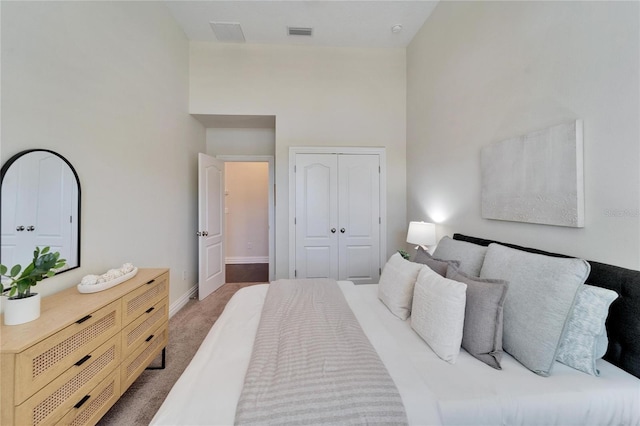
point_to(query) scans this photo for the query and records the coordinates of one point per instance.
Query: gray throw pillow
(482, 336)
(440, 266)
(542, 290)
(469, 255)
(580, 345)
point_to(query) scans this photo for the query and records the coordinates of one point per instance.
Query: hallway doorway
(249, 210)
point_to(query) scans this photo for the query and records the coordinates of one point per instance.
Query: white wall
(241, 141)
(481, 72)
(106, 85)
(247, 206)
(320, 97)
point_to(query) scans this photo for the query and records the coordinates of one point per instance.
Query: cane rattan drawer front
(142, 356)
(43, 362)
(53, 401)
(142, 327)
(96, 403)
(138, 301)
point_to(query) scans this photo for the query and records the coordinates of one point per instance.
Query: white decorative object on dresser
(74, 362)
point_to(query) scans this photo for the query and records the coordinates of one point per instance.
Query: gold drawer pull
(148, 338)
(83, 360)
(151, 282)
(82, 401)
(150, 309)
(83, 319)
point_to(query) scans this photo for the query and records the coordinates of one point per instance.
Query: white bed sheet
(433, 391)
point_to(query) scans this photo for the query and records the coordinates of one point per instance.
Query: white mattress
(433, 391)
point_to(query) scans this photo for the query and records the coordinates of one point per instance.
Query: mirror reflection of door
(40, 207)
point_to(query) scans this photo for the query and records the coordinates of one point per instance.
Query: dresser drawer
(99, 400)
(138, 301)
(142, 327)
(44, 361)
(140, 358)
(53, 401)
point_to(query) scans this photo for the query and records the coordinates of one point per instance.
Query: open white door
(211, 265)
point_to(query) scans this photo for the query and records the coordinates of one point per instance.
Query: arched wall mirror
(40, 194)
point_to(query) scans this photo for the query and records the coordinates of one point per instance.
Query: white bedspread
(433, 391)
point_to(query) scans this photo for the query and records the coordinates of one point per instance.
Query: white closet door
(52, 224)
(12, 218)
(37, 199)
(316, 216)
(359, 218)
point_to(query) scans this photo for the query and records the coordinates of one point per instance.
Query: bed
(432, 391)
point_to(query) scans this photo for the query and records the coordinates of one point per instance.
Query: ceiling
(346, 23)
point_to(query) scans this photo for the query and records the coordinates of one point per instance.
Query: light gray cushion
(437, 314)
(542, 290)
(395, 288)
(437, 265)
(469, 255)
(482, 336)
(579, 346)
(602, 344)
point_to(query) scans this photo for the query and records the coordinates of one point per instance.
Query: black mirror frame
(13, 159)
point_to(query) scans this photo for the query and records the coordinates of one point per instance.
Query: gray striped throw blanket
(313, 364)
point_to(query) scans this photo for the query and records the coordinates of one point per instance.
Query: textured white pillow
(579, 347)
(437, 314)
(395, 288)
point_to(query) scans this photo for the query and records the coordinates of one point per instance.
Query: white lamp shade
(421, 233)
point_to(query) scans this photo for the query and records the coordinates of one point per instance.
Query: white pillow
(580, 344)
(437, 314)
(396, 285)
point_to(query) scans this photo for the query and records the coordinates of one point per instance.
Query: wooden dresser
(72, 364)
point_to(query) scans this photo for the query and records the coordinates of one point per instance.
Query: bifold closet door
(338, 217)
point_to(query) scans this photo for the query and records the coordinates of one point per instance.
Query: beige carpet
(187, 330)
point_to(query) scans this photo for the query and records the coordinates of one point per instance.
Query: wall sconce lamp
(422, 234)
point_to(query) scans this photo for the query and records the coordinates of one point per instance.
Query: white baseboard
(244, 260)
(183, 300)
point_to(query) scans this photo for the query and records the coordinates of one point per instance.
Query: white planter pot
(19, 311)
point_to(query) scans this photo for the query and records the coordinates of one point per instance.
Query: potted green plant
(21, 304)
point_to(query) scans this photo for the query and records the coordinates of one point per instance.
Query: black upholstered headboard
(623, 322)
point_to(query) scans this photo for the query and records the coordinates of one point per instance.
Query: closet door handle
(342, 230)
(333, 230)
(20, 228)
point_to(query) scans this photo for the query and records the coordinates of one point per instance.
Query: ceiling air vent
(300, 31)
(228, 32)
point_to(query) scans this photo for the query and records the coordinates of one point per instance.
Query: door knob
(205, 233)
(342, 230)
(20, 228)
(31, 228)
(333, 230)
